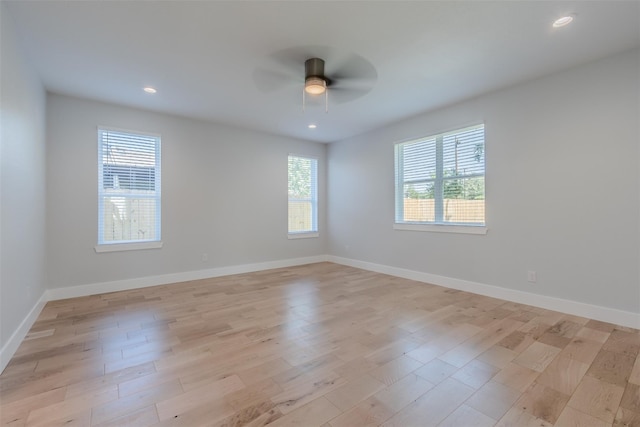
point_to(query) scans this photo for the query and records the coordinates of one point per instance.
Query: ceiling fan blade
(345, 94)
(269, 80)
(352, 76)
(353, 83)
(350, 67)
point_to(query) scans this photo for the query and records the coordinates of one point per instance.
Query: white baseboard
(11, 346)
(605, 314)
(144, 282)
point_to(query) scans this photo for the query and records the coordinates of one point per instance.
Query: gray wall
(22, 184)
(562, 156)
(224, 193)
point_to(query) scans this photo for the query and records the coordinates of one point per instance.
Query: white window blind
(128, 187)
(440, 179)
(303, 194)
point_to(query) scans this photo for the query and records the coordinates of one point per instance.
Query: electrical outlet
(532, 276)
(205, 257)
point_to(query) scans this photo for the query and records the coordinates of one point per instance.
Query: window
(128, 189)
(440, 181)
(303, 197)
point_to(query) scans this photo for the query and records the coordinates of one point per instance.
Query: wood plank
(302, 393)
(354, 392)
(597, 398)
(493, 399)
(537, 356)
(575, 418)
(467, 416)
(395, 370)
(518, 417)
(75, 408)
(182, 403)
(563, 374)
(516, 377)
(436, 371)
(433, 406)
(543, 402)
(134, 402)
(315, 413)
(475, 373)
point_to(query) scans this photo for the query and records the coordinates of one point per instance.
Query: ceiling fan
(347, 76)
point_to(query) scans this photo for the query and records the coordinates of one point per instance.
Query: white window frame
(130, 244)
(439, 225)
(313, 199)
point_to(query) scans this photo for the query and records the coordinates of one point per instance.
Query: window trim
(440, 227)
(302, 235)
(314, 232)
(128, 245)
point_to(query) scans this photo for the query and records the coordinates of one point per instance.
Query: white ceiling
(207, 59)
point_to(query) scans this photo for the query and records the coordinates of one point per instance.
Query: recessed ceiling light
(149, 89)
(312, 126)
(561, 22)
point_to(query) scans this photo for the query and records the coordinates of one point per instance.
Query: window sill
(443, 228)
(310, 235)
(134, 246)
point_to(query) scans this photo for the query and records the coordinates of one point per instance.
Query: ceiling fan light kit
(315, 86)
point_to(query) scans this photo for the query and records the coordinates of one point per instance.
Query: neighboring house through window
(440, 182)
(128, 189)
(303, 196)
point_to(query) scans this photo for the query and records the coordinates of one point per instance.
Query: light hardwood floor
(318, 345)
